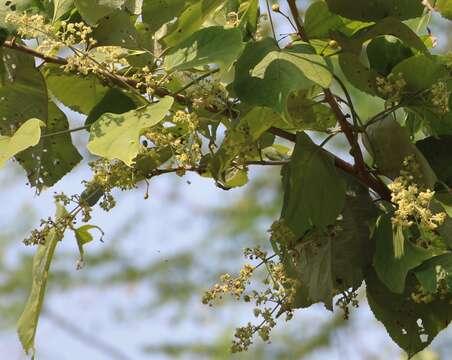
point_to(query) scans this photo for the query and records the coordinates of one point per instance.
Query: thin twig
(271, 18)
(267, 163)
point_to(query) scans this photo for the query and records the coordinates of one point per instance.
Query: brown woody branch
(121, 81)
(360, 169)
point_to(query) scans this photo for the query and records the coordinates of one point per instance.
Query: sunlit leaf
(27, 135)
(117, 136)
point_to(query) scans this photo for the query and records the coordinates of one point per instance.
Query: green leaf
(313, 67)
(387, 26)
(191, 20)
(385, 52)
(3, 36)
(23, 93)
(265, 77)
(413, 326)
(83, 236)
(115, 101)
(61, 7)
(389, 144)
(437, 124)
(27, 135)
(236, 178)
(79, 93)
(335, 261)
(435, 272)
(307, 114)
(202, 48)
(24, 96)
(117, 29)
(94, 10)
(249, 20)
(437, 151)
(28, 321)
(393, 271)
(116, 136)
(158, 12)
(256, 121)
(54, 156)
(376, 9)
(444, 198)
(359, 75)
(134, 6)
(394, 27)
(420, 72)
(320, 22)
(314, 191)
(445, 8)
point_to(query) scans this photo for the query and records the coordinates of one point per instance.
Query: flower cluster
(29, 26)
(39, 236)
(281, 233)
(86, 57)
(181, 136)
(413, 202)
(232, 19)
(391, 87)
(98, 61)
(147, 81)
(114, 174)
(50, 42)
(208, 92)
(279, 290)
(238, 144)
(232, 285)
(440, 95)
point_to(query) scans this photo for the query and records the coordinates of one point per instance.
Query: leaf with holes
(54, 156)
(63, 86)
(412, 325)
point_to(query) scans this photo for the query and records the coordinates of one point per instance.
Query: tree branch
(359, 169)
(11, 44)
(121, 81)
(297, 18)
